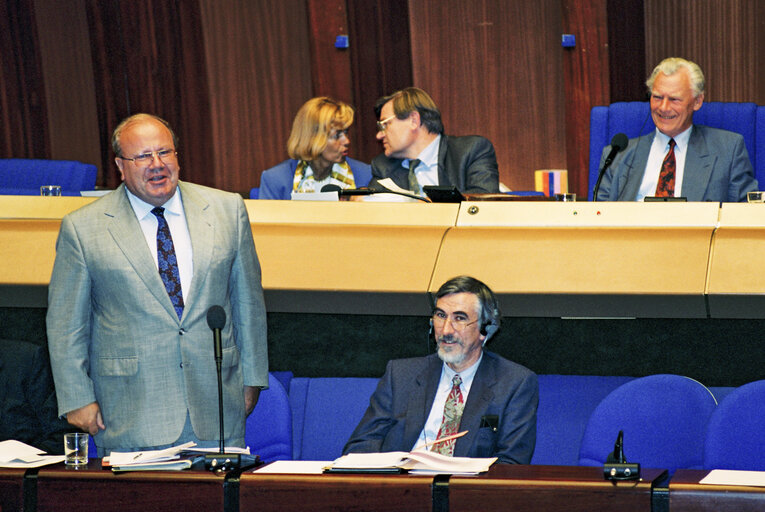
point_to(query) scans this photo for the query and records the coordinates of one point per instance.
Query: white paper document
(15, 454)
(734, 477)
(294, 467)
(423, 462)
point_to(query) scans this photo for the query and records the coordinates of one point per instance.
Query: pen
(134, 458)
(442, 440)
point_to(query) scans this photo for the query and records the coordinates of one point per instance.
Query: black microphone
(216, 321)
(616, 466)
(348, 191)
(618, 143)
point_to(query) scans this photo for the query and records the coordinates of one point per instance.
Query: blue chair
(664, 419)
(254, 192)
(736, 433)
(25, 176)
(268, 430)
(634, 119)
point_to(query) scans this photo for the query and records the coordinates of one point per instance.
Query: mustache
(448, 338)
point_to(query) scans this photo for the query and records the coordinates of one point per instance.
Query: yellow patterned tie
(450, 425)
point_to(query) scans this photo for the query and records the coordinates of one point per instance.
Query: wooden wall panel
(23, 119)
(495, 69)
(725, 37)
(69, 85)
(259, 75)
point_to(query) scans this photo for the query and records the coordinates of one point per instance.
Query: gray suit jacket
(717, 168)
(468, 163)
(500, 414)
(114, 337)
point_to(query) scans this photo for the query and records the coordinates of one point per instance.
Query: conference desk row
(658, 260)
(521, 488)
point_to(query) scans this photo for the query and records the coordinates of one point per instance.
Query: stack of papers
(161, 460)
(417, 462)
(15, 454)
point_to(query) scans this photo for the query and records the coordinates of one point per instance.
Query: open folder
(417, 462)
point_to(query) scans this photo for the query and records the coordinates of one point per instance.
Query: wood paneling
(725, 37)
(259, 75)
(23, 118)
(495, 69)
(381, 63)
(585, 69)
(330, 66)
(68, 70)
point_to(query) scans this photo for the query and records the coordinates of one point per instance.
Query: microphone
(616, 466)
(618, 143)
(351, 191)
(216, 321)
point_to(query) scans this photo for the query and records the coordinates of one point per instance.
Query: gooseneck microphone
(341, 192)
(216, 321)
(618, 143)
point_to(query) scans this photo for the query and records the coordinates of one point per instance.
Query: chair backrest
(634, 119)
(26, 176)
(268, 430)
(664, 419)
(325, 411)
(736, 432)
(254, 192)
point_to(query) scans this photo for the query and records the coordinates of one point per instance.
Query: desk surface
(550, 488)
(686, 494)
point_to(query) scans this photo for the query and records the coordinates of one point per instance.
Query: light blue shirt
(179, 230)
(433, 424)
(659, 150)
(427, 171)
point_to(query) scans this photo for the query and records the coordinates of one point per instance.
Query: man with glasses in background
(462, 401)
(418, 153)
(134, 277)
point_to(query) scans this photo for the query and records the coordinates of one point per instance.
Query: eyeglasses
(166, 156)
(459, 321)
(339, 134)
(383, 125)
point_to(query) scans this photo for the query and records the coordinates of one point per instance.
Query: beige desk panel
(27, 251)
(578, 260)
(738, 251)
(37, 207)
(347, 258)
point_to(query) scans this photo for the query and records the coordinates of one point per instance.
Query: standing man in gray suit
(679, 159)
(135, 274)
(418, 153)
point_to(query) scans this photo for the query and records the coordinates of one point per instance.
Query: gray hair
(672, 65)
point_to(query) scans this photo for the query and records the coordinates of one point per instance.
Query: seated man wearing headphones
(461, 388)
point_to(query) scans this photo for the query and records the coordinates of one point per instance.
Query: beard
(451, 349)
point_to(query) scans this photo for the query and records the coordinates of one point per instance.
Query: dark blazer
(27, 399)
(717, 168)
(404, 397)
(276, 182)
(468, 163)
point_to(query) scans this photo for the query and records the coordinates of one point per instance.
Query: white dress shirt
(659, 150)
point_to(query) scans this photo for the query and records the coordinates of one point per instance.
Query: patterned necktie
(666, 185)
(414, 185)
(168, 263)
(452, 415)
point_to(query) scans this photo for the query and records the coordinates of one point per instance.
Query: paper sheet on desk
(15, 454)
(294, 467)
(734, 477)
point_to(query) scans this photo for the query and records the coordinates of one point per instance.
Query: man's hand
(251, 395)
(88, 418)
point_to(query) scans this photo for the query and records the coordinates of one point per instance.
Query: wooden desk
(285, 493)
(585, 259)
(736, 284)
(550, 488)
(60, 489)
(11, 489)
(687, 495)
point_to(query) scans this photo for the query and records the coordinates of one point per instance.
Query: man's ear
(120, 163)
(414, 118)
(698, 101)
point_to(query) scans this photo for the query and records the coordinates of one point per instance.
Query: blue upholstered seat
(25, 176)
(634, 119)
(664, 419)
(268, 431)
(735, 436)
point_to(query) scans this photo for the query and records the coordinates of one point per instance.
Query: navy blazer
(468, 163)
(276, 182)
(500, 414)
(717, 168)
